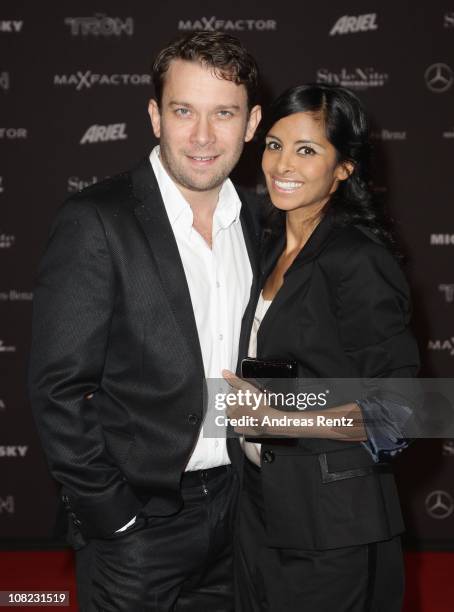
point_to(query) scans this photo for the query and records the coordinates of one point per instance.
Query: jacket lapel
(321, 236)
(251, 232)
(153, 219)
(318, 240)
(272, 248)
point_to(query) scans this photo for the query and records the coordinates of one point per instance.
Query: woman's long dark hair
(347, 129)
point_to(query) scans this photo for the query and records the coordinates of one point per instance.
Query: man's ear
(344, 170)
(254, 119)
(155, 116)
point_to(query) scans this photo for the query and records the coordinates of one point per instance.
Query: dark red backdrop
(74, 86)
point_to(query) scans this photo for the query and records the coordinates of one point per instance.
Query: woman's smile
(286, 185)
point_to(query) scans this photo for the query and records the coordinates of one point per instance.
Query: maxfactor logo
(213, 24)
(86, 80)
(442, 345)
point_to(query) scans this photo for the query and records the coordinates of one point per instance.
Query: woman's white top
(251, 449)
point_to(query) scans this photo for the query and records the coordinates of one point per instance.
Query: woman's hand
(251, 407)
(343, 423)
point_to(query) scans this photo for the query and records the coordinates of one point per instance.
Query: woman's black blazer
(343, 312)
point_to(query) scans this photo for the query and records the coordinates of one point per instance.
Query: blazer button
(268, 456)
(193, 419)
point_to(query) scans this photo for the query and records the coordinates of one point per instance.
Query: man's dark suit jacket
(116, 373)
(342, 312)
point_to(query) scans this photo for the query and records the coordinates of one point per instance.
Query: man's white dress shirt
(219, 281)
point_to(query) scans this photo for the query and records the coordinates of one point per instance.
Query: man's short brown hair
(223, 53)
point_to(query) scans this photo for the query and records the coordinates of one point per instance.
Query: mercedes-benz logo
(447, 447)
(439, 504)
(439, 77)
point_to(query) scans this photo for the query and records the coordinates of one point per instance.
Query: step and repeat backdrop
(74, 87)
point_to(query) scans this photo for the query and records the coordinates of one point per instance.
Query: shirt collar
(175, 204)
(228, 207)
(177, 207)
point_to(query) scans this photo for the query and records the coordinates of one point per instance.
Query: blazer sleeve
(73, 304)
(374, 314)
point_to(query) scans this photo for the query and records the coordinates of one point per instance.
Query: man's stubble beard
(178, 173)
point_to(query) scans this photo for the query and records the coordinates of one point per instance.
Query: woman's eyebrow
(304, 141)
(309, 142)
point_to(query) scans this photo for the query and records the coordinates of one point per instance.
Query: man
(140, 296)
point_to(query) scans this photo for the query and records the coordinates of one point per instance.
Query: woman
(320, 517)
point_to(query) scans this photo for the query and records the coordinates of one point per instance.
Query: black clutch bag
(271, 375)
(268, 368)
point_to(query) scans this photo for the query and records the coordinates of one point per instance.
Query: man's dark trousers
(185, 557)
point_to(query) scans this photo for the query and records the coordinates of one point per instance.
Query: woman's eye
(306, 151)
(271, 145)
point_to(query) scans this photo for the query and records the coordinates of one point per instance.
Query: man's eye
(182, 112)
(306, 151)
(271, 145)
(225, 114)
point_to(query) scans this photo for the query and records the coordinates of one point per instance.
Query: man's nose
(203, 132)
